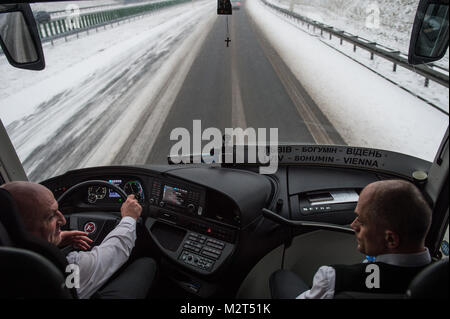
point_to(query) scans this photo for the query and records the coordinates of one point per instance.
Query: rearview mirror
(19, 38)
(429, 38)
(224, 7)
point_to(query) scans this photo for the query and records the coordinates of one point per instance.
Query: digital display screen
(117, 182)
(174, 195)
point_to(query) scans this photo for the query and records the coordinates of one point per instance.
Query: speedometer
(135, 188)
(96, 192)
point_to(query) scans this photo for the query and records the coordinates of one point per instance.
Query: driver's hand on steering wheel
(77, 239)
(131, 208)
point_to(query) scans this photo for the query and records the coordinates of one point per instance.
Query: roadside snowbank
(365, 109)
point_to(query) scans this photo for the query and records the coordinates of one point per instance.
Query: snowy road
(246, 85)
(98, 98)
(113, 97)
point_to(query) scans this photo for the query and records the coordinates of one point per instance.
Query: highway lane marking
(237, 107)
(139, 147)
(315, 127)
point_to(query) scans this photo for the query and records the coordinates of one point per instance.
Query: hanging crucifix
(228, 35)
(228, 41)
(224, 8)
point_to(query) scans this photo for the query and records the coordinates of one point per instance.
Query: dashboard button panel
(200, 251)
(196, 260)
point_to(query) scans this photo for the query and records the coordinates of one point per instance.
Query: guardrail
(64, 27)
(63, 13)
(394, 56)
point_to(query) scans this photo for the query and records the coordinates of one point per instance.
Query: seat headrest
(431, 283)
(9, 216)
(4, 237)
(20, 238)
(25, 274)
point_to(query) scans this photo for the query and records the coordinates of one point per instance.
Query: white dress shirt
(99, 264)
(325, 277)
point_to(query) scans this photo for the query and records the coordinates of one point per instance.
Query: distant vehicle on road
(235, 4)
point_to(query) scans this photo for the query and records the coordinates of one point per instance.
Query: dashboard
(206, 222)
(194, 216)
(103, 194)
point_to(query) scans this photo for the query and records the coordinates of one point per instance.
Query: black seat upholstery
(431, 283)
(28, 249)
(25, 274)
(285, 284)
(4, 237)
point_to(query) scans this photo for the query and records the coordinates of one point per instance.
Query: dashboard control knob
(191, 208)
(161, 204)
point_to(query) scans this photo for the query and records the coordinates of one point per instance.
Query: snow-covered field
(61, 5)
(434, 93)
(366, 109)
(387, 22)
(60, 9)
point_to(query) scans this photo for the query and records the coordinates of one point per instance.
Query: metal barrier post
(46, 30)
(40, 30)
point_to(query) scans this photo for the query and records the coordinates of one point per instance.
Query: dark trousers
(285, 284)
(132, 282)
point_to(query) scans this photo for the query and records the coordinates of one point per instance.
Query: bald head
(38, 208)
(400, 207)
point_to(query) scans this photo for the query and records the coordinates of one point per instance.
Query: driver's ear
(392, 239)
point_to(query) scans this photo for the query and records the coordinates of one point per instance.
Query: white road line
(237, 109)
(142, 146)
(159, 93)
(316, 129)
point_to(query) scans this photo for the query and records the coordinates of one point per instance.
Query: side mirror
(224, 7)
(19, 38)
(429, 38)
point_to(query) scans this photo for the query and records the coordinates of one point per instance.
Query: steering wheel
(96, 224)
(119, 190)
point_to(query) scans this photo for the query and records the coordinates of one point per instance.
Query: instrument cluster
(104, 195)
